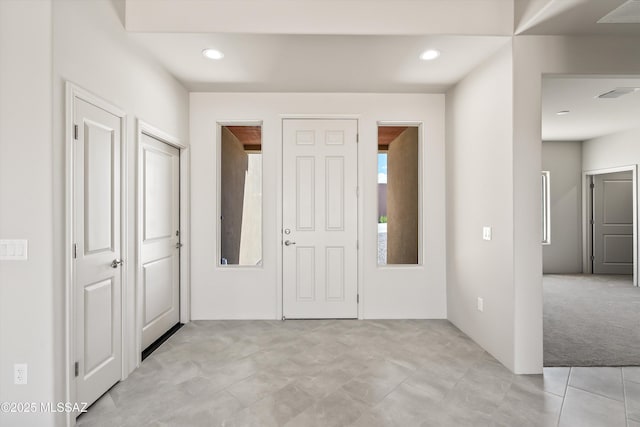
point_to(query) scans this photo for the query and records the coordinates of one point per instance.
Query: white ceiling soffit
(589, 116)
(305, 63)
(628, 13)
(357, 17)
(573, 17)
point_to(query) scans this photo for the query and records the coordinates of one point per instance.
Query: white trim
(144, 128)
(72, 92)
(288, 116)
(185, 238)
(586, 200)
(546, 214)
(218, 148)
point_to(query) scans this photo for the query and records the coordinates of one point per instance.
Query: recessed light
(563, 112)
(212, 54)
(429, 55)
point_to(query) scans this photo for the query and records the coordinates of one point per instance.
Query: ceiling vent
(617, 92)
(627, 13)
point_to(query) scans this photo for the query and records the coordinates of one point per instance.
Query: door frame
(144, 128)
(280, 207)
(74, 92)
(587, 207)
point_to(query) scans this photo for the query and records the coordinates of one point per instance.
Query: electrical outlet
(486, 233)
(480, 304)
(20, 373)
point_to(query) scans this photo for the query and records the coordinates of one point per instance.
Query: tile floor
(354, 373)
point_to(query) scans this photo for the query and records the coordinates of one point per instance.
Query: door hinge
(357, 138)
(593, 257)
(75, 131)
(75, 250)
(76, 368)
(357, 191)
(592, 222)
(177, 233)
(358, 299)
(592, 186)
(357, 244)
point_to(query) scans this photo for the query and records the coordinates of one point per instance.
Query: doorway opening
(96, 236)
(610, 212)
(590, 248)
(160, 238)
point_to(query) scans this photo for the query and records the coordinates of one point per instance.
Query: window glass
(240, 195)
(398, 195)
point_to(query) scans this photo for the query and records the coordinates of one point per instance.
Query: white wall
(93, 51)
(26, 287)
(394, 292)
(563, 160)
(472, 17)
(480, 193)
(535, 56)
(609, 151)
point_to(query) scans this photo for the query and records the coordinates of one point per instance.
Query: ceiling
(318, 63)
(589, 116)
(249, 136)
(386, 135)
(365, 46)
(347, 46)
(576, 17)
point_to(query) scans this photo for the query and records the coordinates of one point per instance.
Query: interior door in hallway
(320, 218)
(613, 223)
(97, 250)
(160, 245)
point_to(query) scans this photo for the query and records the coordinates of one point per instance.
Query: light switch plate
(13, 250)
(486, 233)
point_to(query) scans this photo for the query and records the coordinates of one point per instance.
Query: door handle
(289, 243)
(116, 262)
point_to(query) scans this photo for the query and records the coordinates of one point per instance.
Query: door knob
(116, 262)
(289, 243)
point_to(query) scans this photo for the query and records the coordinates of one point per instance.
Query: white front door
(160, 246)
(98, 276)
(320, 219)
(613, 223)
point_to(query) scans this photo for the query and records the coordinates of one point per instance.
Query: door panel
(160, 253)
(97, 234)
(98, 318)
(158, 289)
(320, 218)
(613, 223)
(98, 177)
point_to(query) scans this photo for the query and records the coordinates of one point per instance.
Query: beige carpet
(591, 320)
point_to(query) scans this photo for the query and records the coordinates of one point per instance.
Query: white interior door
(160, 246)
(613, 223)
(98, 276)
(320, 218)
